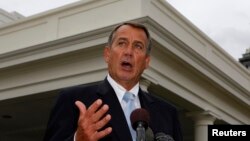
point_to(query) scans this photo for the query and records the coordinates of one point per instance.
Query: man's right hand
(91, 121)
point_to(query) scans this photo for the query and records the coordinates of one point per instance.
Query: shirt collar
(120, 90)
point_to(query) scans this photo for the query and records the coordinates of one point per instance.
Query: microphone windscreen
(139, 115)
(163, 137)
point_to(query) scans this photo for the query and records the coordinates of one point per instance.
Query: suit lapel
(148, 103)
(118, 120)
(145, 100)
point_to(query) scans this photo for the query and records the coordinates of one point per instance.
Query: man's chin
(125, 77)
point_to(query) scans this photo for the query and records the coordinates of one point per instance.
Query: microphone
(149, 135)
(139, 120)
(163, 137)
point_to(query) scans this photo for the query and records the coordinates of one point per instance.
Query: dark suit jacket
(64, 116)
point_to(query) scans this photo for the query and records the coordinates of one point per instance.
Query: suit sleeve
(63, 119)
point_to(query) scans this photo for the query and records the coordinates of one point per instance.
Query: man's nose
(129, 50)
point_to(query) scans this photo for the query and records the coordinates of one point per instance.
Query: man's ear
(147, 61)
(106, 54)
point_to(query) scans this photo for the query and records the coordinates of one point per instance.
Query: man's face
(126, 58)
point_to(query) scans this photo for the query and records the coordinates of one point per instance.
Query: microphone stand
(140, 132)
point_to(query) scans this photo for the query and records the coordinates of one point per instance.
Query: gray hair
(135, 25)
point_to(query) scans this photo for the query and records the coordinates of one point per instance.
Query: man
(96, 112)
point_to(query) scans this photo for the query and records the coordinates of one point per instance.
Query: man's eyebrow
(137, 41)
(122, 38)
(126, 39)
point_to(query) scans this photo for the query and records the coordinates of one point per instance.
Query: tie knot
(128, 96)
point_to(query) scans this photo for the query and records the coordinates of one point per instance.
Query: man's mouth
(126, 65)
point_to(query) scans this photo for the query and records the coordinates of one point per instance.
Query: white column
(202, 120)
(144, 84)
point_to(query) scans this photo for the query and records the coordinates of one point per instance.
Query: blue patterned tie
(129, 98)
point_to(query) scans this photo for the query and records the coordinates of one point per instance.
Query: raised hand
(91, 121)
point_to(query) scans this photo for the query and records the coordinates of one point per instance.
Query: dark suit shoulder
(164, 117)
(85, 93)
(80, 88)
(160, 102)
